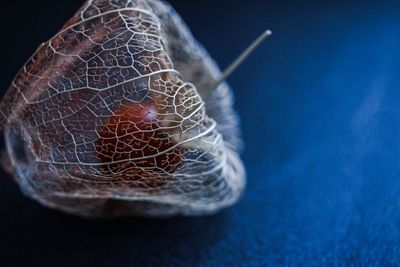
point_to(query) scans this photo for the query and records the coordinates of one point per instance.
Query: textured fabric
(320, 112)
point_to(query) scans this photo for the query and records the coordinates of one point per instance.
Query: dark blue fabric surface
(321, 118)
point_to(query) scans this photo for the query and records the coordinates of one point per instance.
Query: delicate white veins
(111, 117)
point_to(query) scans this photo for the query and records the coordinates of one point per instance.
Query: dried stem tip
(242, 57)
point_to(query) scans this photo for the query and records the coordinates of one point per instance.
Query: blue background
(321, 120)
